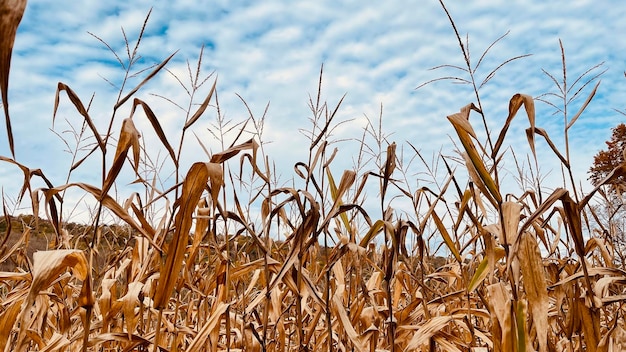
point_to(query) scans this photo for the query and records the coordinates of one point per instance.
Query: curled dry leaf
(193, 187)
(48, 265)
(78, 104)
(156, 125)
(511, 212)
(515, 104)
(11, 12)
(129, 138)
(535, 286)
(460, 122)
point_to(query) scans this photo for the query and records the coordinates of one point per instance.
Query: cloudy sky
(270, 52)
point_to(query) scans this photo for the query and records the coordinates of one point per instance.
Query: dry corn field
(227, 258)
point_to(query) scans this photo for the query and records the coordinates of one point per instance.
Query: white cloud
(272, 51)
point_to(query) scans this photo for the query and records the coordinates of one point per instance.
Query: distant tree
(610, 213)
(606, 160)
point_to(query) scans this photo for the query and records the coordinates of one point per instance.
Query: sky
(269, 54)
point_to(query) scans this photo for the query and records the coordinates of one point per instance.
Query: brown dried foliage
(319, 269)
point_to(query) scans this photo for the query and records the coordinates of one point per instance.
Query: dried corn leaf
(129, 302)
(540, 131)
(11, 12)
(201, 109)
(500, 308)
(56, 342)
(446, 236)
(129, 138)
(156, 125)
(7, 320)
(463, 129)
(511, 212)
(202, 335)
(390, 166)
(221, 157)
(583, 107)
(344, 320)
(428, 330)
(216, 179)
(194, 184)
(144, 81)
(535, 286)
(48, 265)
(515, 103)
(78, 104)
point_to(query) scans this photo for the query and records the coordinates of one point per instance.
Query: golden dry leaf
(511, 216)
(80, 107)
(154, 121)
(344, 320)
(107, 201)
(194, 184)
(129, 138)
(202, 335)
(57, 342)
(535, 286)
(144, 81)
(430, 328)
(500, 308)
(390, 166)
(129, 302)
(216, 178)
(11, 12)
(7, 320)
(515, 104)
(221, 157)
(48, 265)
(446, 236)
(202, 108)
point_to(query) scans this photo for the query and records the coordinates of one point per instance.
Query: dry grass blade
(344, 320)
(193, 187)
(78, 104)
(583, 107)
(500, 301)
(514, 104)
(156, 126)
(7, 320)
(129, 138)
(201, 109)
(544, 134)
(446, 236)
(535, 286)
(145, 80)
(201, 338)
(221, 157)
(547, 204)
(11, 12)
(460, 122)
(428, 330)
(47, 267)
(511, 212)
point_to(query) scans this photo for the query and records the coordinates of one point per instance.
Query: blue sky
(270, 52)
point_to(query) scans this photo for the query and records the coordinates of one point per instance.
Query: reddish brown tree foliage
(606, 160)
